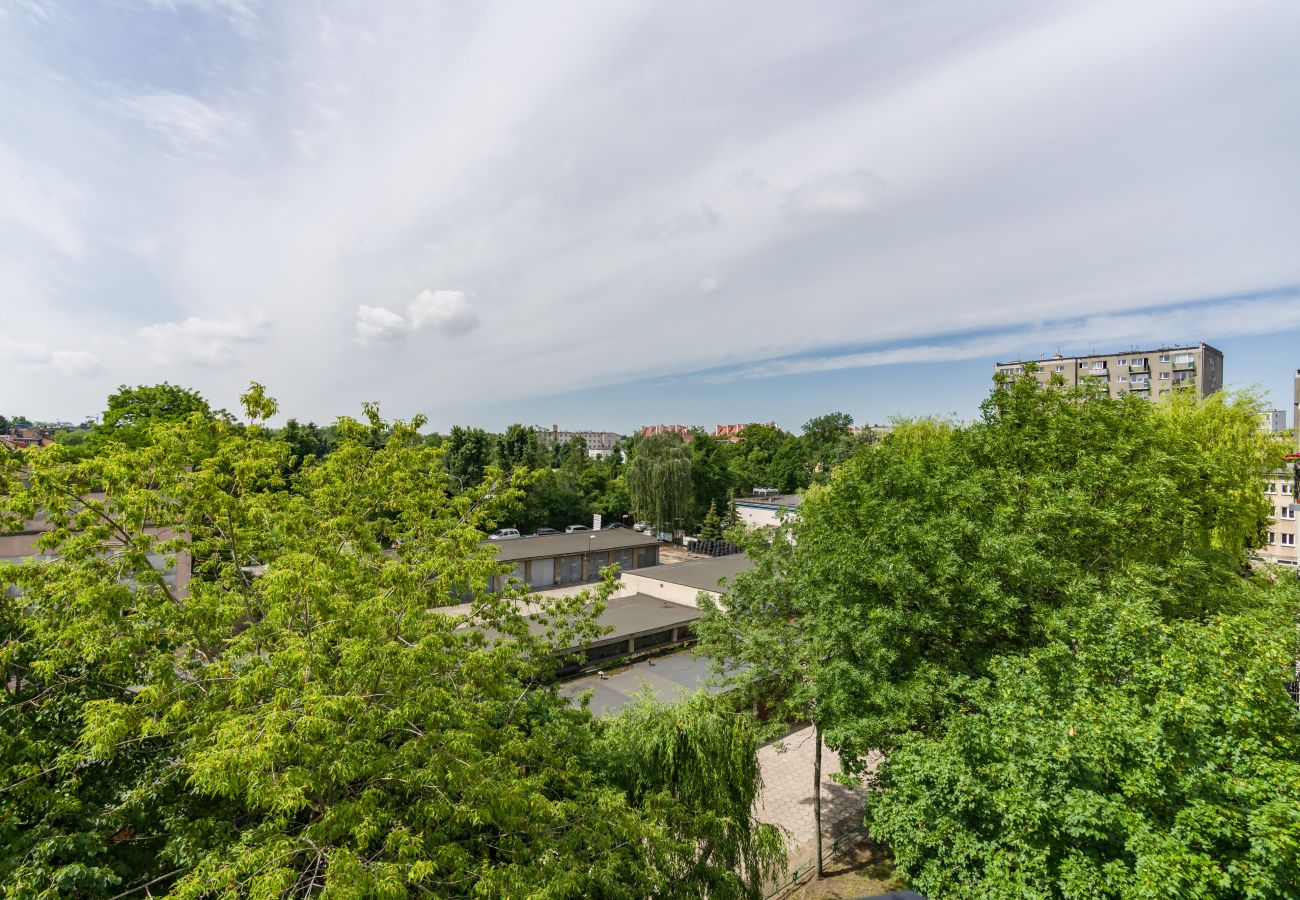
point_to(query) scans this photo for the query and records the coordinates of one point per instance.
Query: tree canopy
(302, 716)
(973, 601)
(659, 480)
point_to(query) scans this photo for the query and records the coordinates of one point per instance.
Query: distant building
(733, 433)
(599, 443)
(556, 560)
(683, 430)
(1282, 543)
(1272, 421)
(766, 507)
(20, 438)
(1146, 373)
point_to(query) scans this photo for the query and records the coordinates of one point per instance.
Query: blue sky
(606, 214)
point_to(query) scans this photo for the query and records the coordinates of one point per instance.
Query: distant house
(21, 438)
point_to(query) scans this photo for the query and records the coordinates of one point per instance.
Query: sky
(606, 214)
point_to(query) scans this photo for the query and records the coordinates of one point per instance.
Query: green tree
(827, 441)
(659, 480)
(1154, 758)
(711, 528)
(145, 405)
(710, 476)
(948, 552)
(518, 446)
(320, 726)
(469, 453)
(305, 442)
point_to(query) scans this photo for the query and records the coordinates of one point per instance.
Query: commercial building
(1146, 373)
(555, 560)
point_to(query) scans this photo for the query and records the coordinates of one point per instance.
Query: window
(1099, 365)
(1272, 537)
(1183, 358)
(1164, 357)
(1268, 488)
(1060, 368)
(1123, 378)
(1164, 376)
(647, 556)
(1287, 512)
(1288, 540)
(1123, 362)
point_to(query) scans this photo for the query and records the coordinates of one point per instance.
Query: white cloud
(206, 342)
(184, 121)
(843, 194)
(445, 312)
(37, 357)
(994, 165)
(376, 325)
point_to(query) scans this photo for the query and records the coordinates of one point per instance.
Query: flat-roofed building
(553, 560)
(683, 582)
(599, 443)
(20, 546)
(766, 508)
(1146, 373)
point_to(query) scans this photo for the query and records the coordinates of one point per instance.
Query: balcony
(1139, 386)
(1139, 367)
(1188, 366)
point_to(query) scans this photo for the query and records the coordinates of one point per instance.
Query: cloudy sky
(606, 213)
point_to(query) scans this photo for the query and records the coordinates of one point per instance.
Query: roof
(788, 501)
(546, 545)
(627, 617)
(669, 677)
(701, 574)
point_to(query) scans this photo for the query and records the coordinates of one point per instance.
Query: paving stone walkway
(787, 797)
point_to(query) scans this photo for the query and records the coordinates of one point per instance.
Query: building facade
(555, 560)
(1272, 421)
(1282, 543)
(1146, 373)
(599, 443)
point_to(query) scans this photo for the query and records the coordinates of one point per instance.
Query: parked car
(544, 531)
(572, 528)
(504, 534)
(613, 525)
(639, 526)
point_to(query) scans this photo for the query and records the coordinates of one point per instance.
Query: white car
(504, 534)
(572, 528)
(639, 526)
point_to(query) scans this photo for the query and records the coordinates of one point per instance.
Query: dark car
(541, 531)
(613, 525)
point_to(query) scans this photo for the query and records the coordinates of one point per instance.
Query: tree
(1156, 759)
(710, 477)
(469, 453)
(711, 529)
(946, 554)
(659, 480)
(828, 441)
(518, 446)
(145, 405)
(301, 718)
(305, 442)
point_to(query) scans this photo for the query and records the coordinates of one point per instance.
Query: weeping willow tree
(697, 754)
(659, 479)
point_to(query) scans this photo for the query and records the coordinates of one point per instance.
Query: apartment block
(1272, 421)
(1282, 543)
(599, 443)
(1147, 373)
